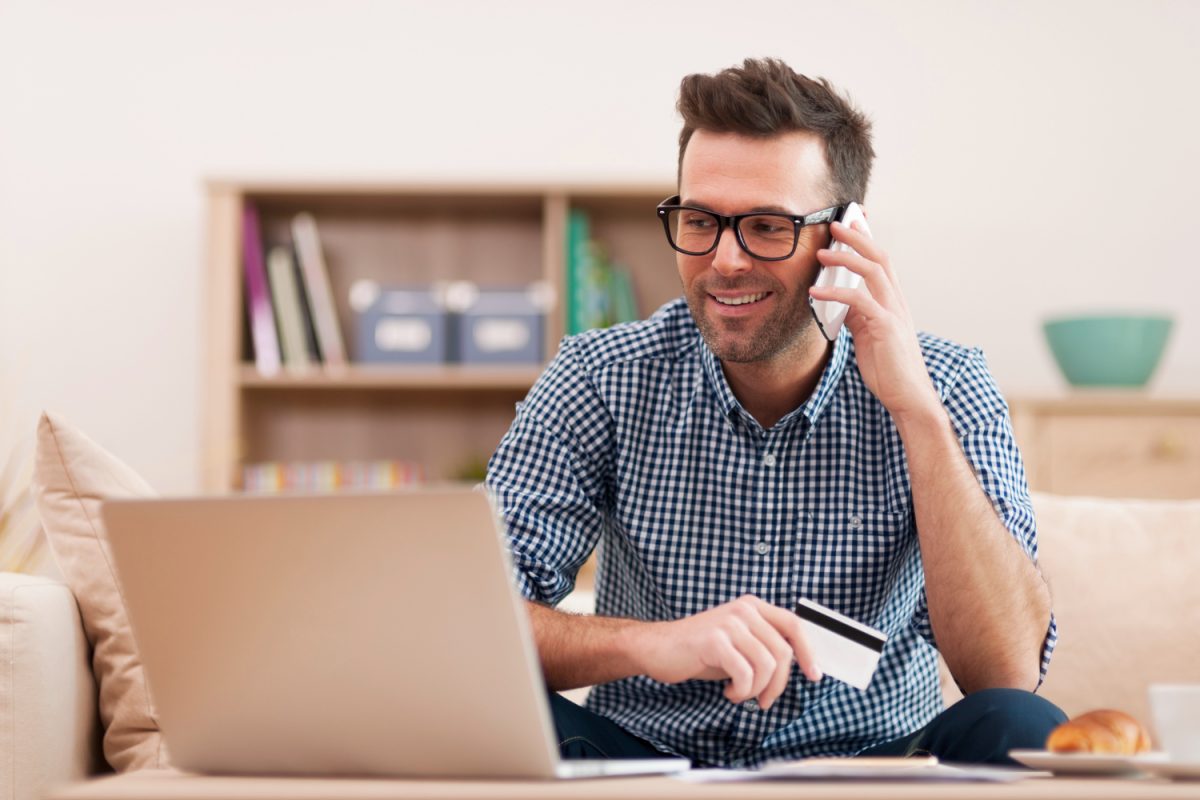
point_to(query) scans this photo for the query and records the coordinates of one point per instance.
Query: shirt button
(855, 522)
(762, 548)
(769, 459)
(750, 705)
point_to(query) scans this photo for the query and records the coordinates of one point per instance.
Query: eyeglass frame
(734, 221)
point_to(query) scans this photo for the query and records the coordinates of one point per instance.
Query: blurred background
(1035, 160)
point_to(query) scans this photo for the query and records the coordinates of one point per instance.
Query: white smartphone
(830, 314)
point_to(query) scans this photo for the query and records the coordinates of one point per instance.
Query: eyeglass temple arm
(834, 214)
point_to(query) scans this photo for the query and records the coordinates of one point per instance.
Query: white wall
(1034, 157)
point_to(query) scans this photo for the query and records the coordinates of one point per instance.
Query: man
(729, 460)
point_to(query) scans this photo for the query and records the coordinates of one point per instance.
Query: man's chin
(740, 347)
(733, 341)
(738, 355)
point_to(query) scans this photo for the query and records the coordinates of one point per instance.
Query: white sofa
(49, 726)
(1123, 573)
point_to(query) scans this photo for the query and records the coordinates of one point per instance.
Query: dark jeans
(979, 729)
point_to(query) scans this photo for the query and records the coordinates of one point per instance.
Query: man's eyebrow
(767, 209)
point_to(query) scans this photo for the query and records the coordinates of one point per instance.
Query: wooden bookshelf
(447, 418)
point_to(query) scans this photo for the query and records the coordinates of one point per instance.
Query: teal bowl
(1112, 350)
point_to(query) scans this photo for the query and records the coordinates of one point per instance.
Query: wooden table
(165, 785)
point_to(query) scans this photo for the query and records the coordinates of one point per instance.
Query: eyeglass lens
(764, 235)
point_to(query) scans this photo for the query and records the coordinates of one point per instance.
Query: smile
(740, 301)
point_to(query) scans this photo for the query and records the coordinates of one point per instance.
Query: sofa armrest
(49, 728)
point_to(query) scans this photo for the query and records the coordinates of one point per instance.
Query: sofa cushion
(72, 476)
(1125, 581)
(49, 733)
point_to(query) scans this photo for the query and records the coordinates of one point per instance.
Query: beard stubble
(743, 341)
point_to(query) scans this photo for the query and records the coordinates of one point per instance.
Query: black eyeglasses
(767, 236)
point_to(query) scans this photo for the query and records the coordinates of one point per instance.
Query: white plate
(1165, 769)
(1087, 763)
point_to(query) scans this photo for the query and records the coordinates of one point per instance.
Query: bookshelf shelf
(448, 419)
(359, 377)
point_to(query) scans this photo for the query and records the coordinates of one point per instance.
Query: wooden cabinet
(448, 419)
(1110, 445)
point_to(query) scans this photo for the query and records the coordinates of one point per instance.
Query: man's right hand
(747, 641)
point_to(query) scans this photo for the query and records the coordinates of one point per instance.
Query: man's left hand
(885, 341)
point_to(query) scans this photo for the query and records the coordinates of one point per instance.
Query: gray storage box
(500, 326)
(400, 325)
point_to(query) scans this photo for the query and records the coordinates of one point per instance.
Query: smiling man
(729, 461)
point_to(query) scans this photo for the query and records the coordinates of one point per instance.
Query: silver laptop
(366, 634)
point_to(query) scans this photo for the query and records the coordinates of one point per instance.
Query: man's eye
(699, 221)
(768, 228)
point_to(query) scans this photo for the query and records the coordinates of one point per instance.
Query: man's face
(733, 174)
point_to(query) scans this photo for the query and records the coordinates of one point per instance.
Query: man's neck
(770, 389)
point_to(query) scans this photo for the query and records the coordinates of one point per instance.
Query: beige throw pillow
(71, 476)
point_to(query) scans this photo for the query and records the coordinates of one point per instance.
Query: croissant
(1105, 731)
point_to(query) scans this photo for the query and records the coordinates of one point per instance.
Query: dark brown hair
(764, 98)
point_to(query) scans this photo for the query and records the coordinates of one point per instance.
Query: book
(599, 293)
(306, 314)
(319, 290)
(285, 294)
(624, 298)
(578, 266)
(276, 477)
(258, 297)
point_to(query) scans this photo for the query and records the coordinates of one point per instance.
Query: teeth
(739, 301)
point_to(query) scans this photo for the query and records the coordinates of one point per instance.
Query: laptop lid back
(347, 634)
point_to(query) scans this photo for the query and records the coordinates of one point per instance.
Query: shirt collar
(812, 408)
(716, 378)
(815, 406)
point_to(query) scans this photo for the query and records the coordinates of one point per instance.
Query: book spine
(624, 301)
(578, 267)
(597, 288)
(306, 313)
(258, 299)
(282, 274)
(320, 291)
(324, 477)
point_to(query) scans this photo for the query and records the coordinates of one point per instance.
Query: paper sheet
(825, 771)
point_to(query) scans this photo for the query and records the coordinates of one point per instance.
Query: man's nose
(729, 257)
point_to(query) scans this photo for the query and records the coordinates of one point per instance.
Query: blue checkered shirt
(632, 442)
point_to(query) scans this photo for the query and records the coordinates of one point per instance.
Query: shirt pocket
(850, 560)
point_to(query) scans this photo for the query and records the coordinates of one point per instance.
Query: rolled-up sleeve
(549, 478)
(981, 419)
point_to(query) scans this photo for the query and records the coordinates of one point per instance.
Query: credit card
(843, 648)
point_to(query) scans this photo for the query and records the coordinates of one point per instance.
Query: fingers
(748, 641)
(769, 652)
(859, 300)
(770, 638)
(865, 247)
(760, 658)
(860, 241)
(779, 681)
(872, 273)
(739, 670)
(788, 624)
